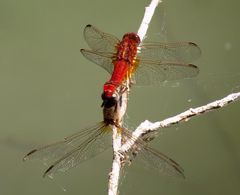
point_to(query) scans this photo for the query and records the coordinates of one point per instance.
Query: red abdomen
(125, 58)
(118, 76)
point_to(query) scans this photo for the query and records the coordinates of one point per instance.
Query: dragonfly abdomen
(118, 76)
(125, 58)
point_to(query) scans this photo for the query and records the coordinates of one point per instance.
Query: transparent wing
(100, 58)
(73, 150)
(158, 62)
(100, 41)
(152, 158)
(151, 72)
(181, 52)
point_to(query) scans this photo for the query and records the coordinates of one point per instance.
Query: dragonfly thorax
(127, 48)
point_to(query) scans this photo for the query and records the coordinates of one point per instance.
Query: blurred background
(48, 91)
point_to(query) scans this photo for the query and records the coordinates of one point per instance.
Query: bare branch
(149, 11)
(116, 164)
(148, 127)
(114, 175)
(116, 138)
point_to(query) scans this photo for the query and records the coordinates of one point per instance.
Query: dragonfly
(129, 59)
(87, 143)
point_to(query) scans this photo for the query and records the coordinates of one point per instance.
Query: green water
(48, 90)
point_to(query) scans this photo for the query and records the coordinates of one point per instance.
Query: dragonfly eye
(108, 102)
(132, 36)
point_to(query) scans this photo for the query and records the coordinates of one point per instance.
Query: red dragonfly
(79, 147)
(141, 63)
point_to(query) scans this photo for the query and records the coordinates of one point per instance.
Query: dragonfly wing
(102, 59)
(100, 41)
(73, 150)
(151, 72)
(181, 52)
(152, 158)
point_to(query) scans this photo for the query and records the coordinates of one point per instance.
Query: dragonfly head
(108, 102)
(133, 37)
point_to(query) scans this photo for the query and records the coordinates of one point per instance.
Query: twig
(114, 175)
(116, 164)
(116, 138)
(148, 127)
(149, 11)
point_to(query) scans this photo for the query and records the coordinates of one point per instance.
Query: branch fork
(120, 148)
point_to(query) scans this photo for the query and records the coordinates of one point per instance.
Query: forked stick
(114, 175)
